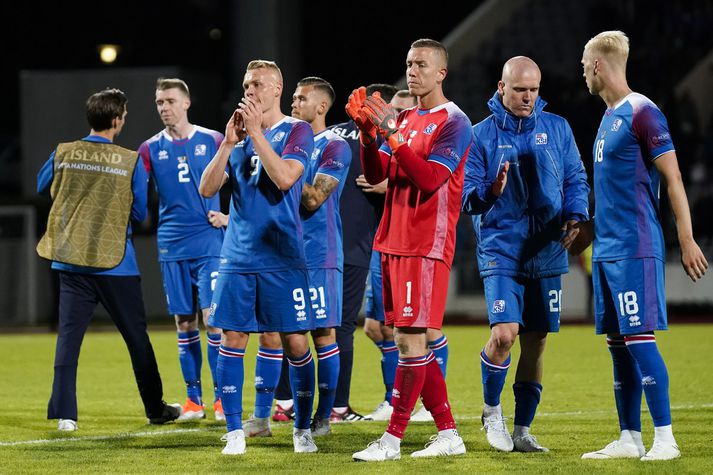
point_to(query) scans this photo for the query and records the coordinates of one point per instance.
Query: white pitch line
(129, 435)
(599, 412)
(123, 435)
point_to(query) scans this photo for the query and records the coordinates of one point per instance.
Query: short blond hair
(265, 64)
(611, 44)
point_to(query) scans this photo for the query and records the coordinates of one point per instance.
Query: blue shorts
(181, 277)
(265, 302)
(533, 303)
(374, 305)
(629, 296)
(325, 292)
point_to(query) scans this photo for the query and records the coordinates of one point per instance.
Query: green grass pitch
(576, 414)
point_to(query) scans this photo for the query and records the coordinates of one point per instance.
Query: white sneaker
(527, 443)
(497, 432)
(618, 449)
(382, 412)
(303, 442)
(662, 451)
(67, 425)
(235, 442)
(422, 415)
(440, 446)
(257, 427)
(377, 451)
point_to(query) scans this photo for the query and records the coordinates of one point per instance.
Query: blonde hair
(611, 44)
(263, 63)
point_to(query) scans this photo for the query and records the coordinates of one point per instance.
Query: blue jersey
(626, 183)
(128, 265)
(176, 166)
(265, 230)
(323, 227)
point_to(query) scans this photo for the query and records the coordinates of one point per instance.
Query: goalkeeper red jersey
(415, 223)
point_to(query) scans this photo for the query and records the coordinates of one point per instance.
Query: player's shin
(627, 385)
(435, 397)
(231, 372)
(267, 374)
(212, 353)
(328, 375)
(302, 383)
(190, 357)
(408, 384)
(389, 362)
(654, 376)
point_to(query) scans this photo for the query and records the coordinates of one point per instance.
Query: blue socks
(627, 384)
(231, 372)
(440, 350)
(302, 383)
(212, 350)
(327, 377)
(267, 374)
(191, 359)
(527, 397)
(389, 362)
(493, 377)
(654, 376)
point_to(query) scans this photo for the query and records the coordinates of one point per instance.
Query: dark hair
(104, 106)
(387, 91)
(319, 84)
(404, 93)
(433, 44)
(172, 83)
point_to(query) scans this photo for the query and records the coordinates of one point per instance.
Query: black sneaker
(170, 413)
(347, 416)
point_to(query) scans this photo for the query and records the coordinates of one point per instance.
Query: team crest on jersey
(278, 136)
(615, 126)
(499, 306)
(200, 150)
(408, 311)
(162, 155)
(430, 128)
(541, 139)
(182, 159)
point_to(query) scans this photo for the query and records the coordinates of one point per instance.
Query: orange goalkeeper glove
(355, 110)
(383, 116)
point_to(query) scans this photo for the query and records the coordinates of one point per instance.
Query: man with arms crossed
(423, 158)
(632, 150)
(263, 284)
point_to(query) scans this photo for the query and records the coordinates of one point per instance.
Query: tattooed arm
(317, 193)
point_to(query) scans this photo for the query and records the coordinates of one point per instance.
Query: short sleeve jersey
(176, 166)
(631, 136)
(265, 230)
(416, 223)
(323, 227)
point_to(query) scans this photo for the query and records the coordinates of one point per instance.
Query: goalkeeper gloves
(355, 110)
(383, 116)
